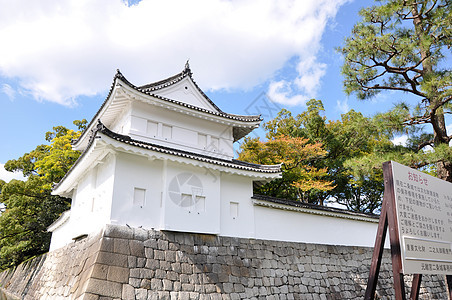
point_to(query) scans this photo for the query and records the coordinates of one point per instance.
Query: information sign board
(424, 218)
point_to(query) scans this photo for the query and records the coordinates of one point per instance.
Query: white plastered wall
(154, 124)
(91, 204)
(237, 211)
(137, 192)
(191, 201)
(294, 226)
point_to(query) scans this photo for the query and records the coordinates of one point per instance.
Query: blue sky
(58, 58)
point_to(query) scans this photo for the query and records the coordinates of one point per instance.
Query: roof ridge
(184, 73)
(154, 86)
(295, 203)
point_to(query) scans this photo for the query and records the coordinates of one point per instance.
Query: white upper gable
(186, 91)
(174, 113)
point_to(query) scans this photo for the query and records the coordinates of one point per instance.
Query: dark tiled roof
(238, 132)
(233, 163)
(312, 206)
(148, 91)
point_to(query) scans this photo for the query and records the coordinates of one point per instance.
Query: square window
(139, 196)
(234, 209)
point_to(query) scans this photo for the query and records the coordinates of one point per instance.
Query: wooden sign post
(417, 210)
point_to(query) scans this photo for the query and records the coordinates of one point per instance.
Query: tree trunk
(444, 168)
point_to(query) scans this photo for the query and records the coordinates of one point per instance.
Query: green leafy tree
(296, 155)
(29, 206)
(405, 46)
(353, 136)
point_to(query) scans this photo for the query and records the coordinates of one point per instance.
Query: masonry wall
(128, 263)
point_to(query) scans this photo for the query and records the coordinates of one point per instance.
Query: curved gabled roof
(150, 89)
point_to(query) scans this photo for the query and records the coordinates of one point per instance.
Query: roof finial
(187, 65)
(118, 73)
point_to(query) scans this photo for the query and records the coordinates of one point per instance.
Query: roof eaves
(186, 154)
(184, 73)
(117, 76)
(312, 206)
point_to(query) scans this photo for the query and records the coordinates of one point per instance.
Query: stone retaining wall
(126, 263)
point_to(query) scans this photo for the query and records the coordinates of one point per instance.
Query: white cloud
(8, 91)
(449, 131)
(283, 92)
(61, 49)
(343, 106)
(400, 140)
(8, 176)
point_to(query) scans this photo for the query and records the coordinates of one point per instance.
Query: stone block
(141, 294)
(141, 262)
(89, 296)
(107, 244)
(135, 273)
(140, 234)
(184, 296)
(156, 284)
(128, 292)
(151, 243)
(164, 295)
(149, 252)
(239, 288)
(112, 259)
(177, 286)
(167, 285)
(162, 245)
(104, 288)
(160, 274)
(131, 261)
(173, 246)
(137, 248)
(116, 231)
(187, 287)
(135, 282)
(146, 273)
(228, 287)
(121, 246)
(152, 264)
(186, 268)
(159, 254)
(170, 256)
(173, 276)
(99, 271)
(165, 265)
(118, 274)
(153, 295)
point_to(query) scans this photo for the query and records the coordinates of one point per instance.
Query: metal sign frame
(388, 220)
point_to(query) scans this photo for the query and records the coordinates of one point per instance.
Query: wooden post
(377, 255)
(415, 287)
(389, 197)
(388, 220)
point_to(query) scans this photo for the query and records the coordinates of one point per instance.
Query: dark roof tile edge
(312, 206)
(119, 75)
(237, 164)
(176, 78)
